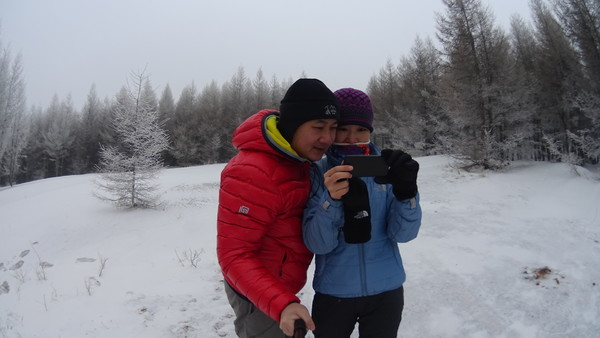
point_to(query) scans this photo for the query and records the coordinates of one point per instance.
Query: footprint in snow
(4, 287)
(85, 260)
(17, 265)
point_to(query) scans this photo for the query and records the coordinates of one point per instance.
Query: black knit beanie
(305, 100)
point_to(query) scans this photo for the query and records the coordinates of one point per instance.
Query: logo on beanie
(330, 110)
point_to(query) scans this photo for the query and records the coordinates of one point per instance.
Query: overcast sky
(68, 45)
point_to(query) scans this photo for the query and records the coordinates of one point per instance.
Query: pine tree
(420, 74)
(185, 128)
(91, 131)
(560, 77)
(213, 140)
(59, 135)
(13, 129)
(524, 51)
(261, 91)
(166, 113)
(129, 169)
(474, 82)
(581, 22)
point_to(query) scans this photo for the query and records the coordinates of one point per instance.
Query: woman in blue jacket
(353, 226)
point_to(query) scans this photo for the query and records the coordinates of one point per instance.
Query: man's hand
(290, 314)
(336, 180)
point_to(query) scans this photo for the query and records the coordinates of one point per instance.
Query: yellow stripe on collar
(276, 136)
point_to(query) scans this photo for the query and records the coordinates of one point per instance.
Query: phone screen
(367, 165)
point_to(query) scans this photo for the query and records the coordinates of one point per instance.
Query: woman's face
(352, 133)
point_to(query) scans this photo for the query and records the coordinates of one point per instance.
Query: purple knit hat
(355, 108)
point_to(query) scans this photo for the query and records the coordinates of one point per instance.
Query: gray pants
(250, 322)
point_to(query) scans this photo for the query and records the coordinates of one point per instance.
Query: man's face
(313, 137)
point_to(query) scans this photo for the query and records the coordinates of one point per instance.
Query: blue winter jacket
(355, 270)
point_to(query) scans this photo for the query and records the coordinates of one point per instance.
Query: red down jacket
(264, 190)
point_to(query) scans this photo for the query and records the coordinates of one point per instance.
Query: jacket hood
(259, 133)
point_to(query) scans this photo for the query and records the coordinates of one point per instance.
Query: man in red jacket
(264, 190)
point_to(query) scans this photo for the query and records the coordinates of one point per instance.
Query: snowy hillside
(502, 254)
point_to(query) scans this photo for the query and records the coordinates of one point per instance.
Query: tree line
(488, 96)
(480, 93)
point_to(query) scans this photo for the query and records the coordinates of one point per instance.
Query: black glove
(402, 174)
(357, 212)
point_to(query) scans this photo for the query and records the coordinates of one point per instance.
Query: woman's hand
(336, 180)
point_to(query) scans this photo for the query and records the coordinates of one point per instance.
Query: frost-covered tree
(184, 128)
(261, 91)
(237, 106)
(475, 79)
(525, 84)
(92, 131)
(237, 99)
(384, 91)
(581, 22)
(11, 163)
(166, 113)
(420, 74)
(213, 140)
(166, 105)
(12, 114)
(129, 169)
(34, 163)
(59, 135)
(561, 85)
(276, 93)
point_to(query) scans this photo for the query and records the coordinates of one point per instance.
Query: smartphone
(367, 165)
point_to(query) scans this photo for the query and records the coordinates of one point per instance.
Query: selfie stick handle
(299, 329)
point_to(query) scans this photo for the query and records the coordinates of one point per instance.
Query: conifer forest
(478, 92)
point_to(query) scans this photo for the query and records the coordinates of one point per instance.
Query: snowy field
(512, 254)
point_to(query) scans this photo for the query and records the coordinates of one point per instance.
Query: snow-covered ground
(514, 253)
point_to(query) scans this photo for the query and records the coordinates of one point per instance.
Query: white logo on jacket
(244, 210)
(361, 214)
